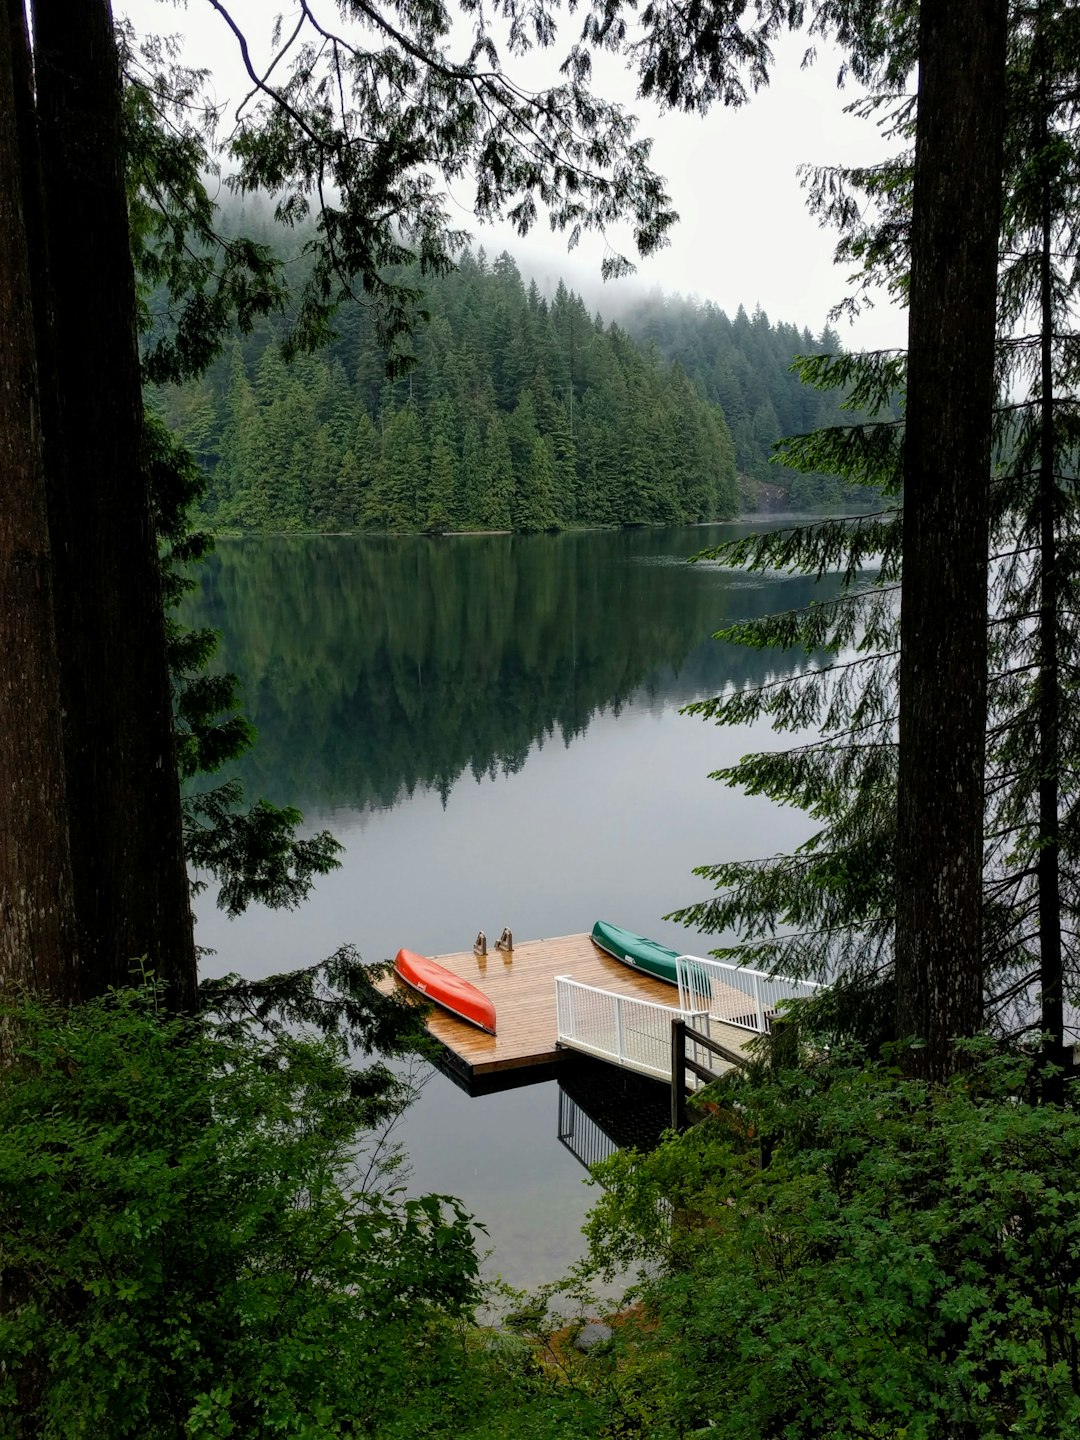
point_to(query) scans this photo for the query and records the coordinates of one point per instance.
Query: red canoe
(445, 988)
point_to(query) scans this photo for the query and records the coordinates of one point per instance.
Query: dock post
(757, 1002)
(678, 1074)
(784, 1044)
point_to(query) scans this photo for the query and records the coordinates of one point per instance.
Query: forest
(872, 1228)
(521, 413)
(746, 365)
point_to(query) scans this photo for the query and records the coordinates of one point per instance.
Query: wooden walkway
(521, 984)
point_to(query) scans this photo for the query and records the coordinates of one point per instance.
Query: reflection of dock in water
(602, 1109)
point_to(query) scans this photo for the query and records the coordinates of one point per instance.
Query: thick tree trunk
(131, 892)
(1049, 692)
(37, 931)
(955, 218)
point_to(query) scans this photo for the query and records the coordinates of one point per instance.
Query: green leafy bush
(181, 1251)
(906, 1265)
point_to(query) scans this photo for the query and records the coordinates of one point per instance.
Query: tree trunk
(1049, 685)
(37, 931)
(955, 218)
(131, 893)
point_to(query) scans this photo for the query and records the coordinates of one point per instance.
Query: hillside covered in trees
(744, 366)
(522, 413)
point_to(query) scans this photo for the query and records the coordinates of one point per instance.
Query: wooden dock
(521, 984)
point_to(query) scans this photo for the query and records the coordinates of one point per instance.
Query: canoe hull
(650, 957)
(445, 989)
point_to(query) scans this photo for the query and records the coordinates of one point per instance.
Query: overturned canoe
(649, 956)
(444, 988)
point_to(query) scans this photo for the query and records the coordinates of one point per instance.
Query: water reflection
(603, 1109)
(376, 667)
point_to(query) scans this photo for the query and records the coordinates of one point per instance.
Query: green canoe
(646, 955)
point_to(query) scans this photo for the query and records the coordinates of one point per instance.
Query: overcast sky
(744, 237)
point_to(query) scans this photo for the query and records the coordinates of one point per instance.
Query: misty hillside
(522, 412)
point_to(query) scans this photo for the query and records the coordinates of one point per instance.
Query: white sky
(744, 236)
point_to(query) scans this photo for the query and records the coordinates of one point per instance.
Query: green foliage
(773, 381)
(254, 854)
(368, 108)
(195, 283)
(453, 446)
(723, 55)
(201, 1237)
(339, 999)
(907, 1263)
(827, 910)
(193, 1245)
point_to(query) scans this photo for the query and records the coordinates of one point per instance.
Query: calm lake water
(490, 725)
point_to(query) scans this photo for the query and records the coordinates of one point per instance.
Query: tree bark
(1051, 975)
(37, 929)
(955, 217)
(131, 892)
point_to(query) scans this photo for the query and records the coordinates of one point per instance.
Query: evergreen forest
(745, 365)
(519, 413)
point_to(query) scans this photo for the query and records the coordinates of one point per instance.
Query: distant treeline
(521, 414)
(744, 366)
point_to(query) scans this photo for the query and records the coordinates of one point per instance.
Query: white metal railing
(735, 994)
(634, 1033)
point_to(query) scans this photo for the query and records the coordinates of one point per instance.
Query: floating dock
(521, 984)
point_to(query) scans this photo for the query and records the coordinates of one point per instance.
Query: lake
(490, 725)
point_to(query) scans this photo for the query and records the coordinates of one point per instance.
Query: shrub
(182, 1251)
(906, 1265)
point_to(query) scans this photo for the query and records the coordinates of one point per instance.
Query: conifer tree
(37, 938)
(1028, 949)
(235, 488)
(1031, 911)
(498, 478)
(473, 489)
(534, 506)
(442, 509)
(122, 805)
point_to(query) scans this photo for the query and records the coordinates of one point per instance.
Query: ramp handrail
(691, 1050)
(736, 994)
(634, 1033)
